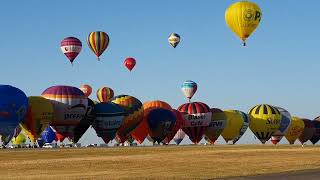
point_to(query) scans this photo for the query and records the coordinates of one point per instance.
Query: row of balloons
(70, 113)
(242, 18)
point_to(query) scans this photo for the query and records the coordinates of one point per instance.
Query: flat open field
(169, 162)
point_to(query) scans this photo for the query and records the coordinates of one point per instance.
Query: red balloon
(86, 89)
(130, 63)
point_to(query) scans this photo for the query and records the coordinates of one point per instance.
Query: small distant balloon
(189, 88)
(71, 47)
(86, 89)
(104, 94)
(130, 63)
(174, 39)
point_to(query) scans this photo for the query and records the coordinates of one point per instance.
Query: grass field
(169, 162)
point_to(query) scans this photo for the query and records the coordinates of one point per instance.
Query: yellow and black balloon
(264, 121)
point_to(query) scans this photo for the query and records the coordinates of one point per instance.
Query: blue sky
(278, 66)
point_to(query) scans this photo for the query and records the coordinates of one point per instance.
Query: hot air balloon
(189, 88)
(245, 125)
(47, 136)
(98, 42)
(130, 63)
(308, 131)
(179, 123)
(86, 89)
(284, 124)
(243, 18)
(316, 136)
(108, 119)
(19, 140)
(39, 115)
(197, 117)
(69, 105)
(295, 129)
(60, 137)
(216, 126)
(233, 126)
(71, 47)
(179, 136)
(142, 130)
(160, 122)
(174, 39)
(134, 114)
(85, 123)
(104, 94)
(264, 121)
(13, 108)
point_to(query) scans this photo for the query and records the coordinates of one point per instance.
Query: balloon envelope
(174, 39)
(178, 125)
(284, 124)
(233, 126)
(295, 129)
(216, 126)
(189, 88)
(86, 89)
(48, 135)
(104, 94)
(179, 136)
(245, 125)
(316, 136)
(19, 140)
(308, 131)
(98, 42)
(130, 63)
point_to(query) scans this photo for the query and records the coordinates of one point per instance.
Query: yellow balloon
(294, 130)
(19, 140)
(233, 126)
(40, 114)
(243, 18)
(264, 121)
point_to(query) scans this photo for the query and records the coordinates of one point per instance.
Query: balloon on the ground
(134, 114)
(39, 115)
(197, 117)
(69, 105)
(130, 63)
(142, 130)
(98, 42)
(48, 135)
(59, 137)
(243, 18)
(308, 131)
(108, 119)
(284, 124)
(233, 126)
(216, 126)
(245, 125)
(179, 136)
(178, 125)
(189, 88)
(71, 47)
(86, 89)
(264, 121)
(174, 39)
(295, 129)
(160, 122)
(13, 108)
(104, 94)
(316, 136)
(19, 140)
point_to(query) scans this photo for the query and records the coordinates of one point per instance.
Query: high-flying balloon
(98, 42)
(71, 47)
(85, 123)
(189, 88)
(243, 18)
(178, 125)
(197, 117)
(174, 39)
(13, 108)
(284, 124)
(160, 122)
(19, 140)
(39, 115)
(233, 126)
(179, 136)
(316, 136)
(134, 114)
(245, 125)
(295, 129)
(104, 94)
(142, 130)
(130, 63)
(86, 89)
(264, 121)
(308, 131)
(108, 119)
(216, 126)
(69, 105)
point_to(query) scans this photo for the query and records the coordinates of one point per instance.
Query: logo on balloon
(248, 15)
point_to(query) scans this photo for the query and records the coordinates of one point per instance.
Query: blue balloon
(13, 108)
(160, 121)
(47, 136)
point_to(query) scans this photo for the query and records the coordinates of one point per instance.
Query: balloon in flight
(174, 39)
(189, 88)
(86, 89)
(130, 63)
(71, 47)
(98, 42)
(104, 94)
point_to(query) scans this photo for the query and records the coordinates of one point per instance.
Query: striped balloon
(98, 42)
(197, 117)
(71, 47)
(189, 88)
(104, 94)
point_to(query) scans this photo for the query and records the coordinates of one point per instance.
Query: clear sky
(279, 66)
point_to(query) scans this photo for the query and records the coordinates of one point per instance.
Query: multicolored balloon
(245, 125)
(284, 125)
(179, 136)
(174, 39)
(308, 131)
(179, 123)
(104, 94)
(86, 89)
(216, 126)
(130, 63)
(19, 140)
(197, 117)
(71, 47)
(98, 42)
(295, 129)
(189, 88)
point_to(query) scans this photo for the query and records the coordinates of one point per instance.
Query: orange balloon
(86, 89)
